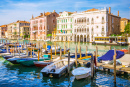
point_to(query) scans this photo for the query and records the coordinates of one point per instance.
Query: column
(86, 38)
(83, 38)
(79, 38)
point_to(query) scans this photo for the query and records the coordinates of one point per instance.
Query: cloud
(13, 10)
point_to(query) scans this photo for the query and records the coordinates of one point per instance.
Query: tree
(127, 28)
(49, 35)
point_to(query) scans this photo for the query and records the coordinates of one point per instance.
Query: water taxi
(116, 40)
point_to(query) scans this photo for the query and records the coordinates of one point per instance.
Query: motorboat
(58, 68)
(81, 72)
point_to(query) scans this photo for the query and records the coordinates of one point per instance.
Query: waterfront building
(3, 29)
(25, 32)
(64, 26)
(123, 23)
(54, 36)
(93, 23)
(13, 29)
(42, 25)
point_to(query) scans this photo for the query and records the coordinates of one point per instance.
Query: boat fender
(53, 69)
(88, 65)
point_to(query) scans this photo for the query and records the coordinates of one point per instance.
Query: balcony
(64, 34)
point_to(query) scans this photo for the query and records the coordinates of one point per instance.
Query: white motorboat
(3, 54)
(57, 69)
(81, 72)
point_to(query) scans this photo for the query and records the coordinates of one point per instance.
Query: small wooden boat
(58, 51)
(81, 72)
(1, 46)
(57, 69)
(73, 55)
(14, 59)
(30, 61)
(45, 62)
(2, 54)
(42, 63)
(31, 48)
(11, 56)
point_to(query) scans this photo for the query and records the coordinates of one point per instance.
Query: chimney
(41, 14)
(44, 13)
(118, 13)
(32, 17)
(110, 10)
(53, 10)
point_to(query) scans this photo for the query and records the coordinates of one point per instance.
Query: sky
(13, 10)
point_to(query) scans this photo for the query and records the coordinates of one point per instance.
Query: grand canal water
(21, 76)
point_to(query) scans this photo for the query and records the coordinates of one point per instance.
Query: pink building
(43, 25)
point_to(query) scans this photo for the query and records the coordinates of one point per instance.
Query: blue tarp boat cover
(48, 47)
(109, 55)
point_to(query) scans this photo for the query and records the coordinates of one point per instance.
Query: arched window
(75, 20)
(102, 28)
(87, 29)
(92, 21)
(87, 20)
(102, 20)
(82, 21)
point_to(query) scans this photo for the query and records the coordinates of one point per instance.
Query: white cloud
(14, 11)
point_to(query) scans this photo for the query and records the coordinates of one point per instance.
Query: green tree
(127, 28)
(49, 35)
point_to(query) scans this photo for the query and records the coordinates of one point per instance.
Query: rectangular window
(62, 26)
(71, 25)
(66, 20)
(66, 26)
(71, 19)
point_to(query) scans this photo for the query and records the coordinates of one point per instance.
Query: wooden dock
(107, 67)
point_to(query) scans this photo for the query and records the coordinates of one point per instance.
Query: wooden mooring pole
(55, 49)
(51, 53)
(110, 48)
(86, 50)
(128, 49)
(68, 62)
(114, 65)
(92, 66)
(96, 54)
(76, 56)
(80, 52)
(64, 48)
(31, 50)
(60, 54)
